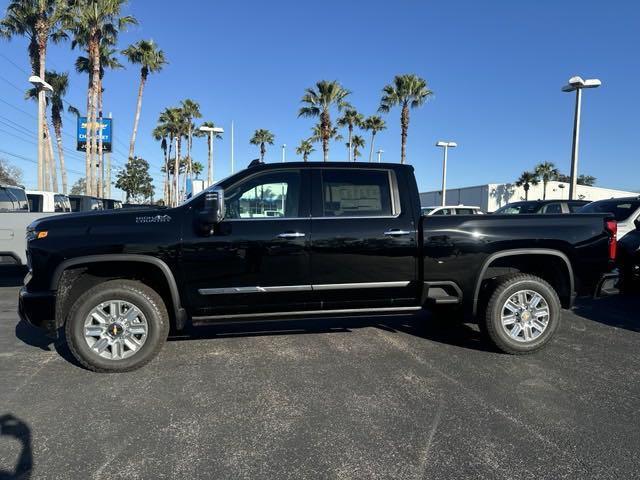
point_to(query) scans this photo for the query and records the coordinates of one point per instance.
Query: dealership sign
(102, 129)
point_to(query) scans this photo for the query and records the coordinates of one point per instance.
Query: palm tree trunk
(57, 128)
(325, 121)
(544, 190)
(263, 150)
(404, 124)
(100, 146)
(95, 80)
(42, 55)
(87, 145)
(52, 161)
(373, 135)
(350, 144)
(136, 119)
(212, 164)
(526, 192)
(176, 172)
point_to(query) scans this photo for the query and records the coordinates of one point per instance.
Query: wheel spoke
(533, 304)
(541, 312)
(522, 299)
(131, 314)
(137, 329)
(538, 325)
(515, 331)
(511, 306)
(527, 332)
(117, 349)
(508, 319)
(101, 345)
(114, 309)
(99, 316)
(94, 330)
(132, 343)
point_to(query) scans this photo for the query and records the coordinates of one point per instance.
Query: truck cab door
(257, 258)
(364, 245)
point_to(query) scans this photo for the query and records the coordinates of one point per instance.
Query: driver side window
(268, 195)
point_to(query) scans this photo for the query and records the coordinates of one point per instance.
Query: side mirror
(637, 223)
(213, 211)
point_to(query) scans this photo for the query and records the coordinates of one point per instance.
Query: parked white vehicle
(451, 210)
(14, 219)
(49, 202)
(626, 210)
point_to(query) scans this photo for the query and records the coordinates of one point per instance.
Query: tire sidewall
(495, 311)
(156, 324)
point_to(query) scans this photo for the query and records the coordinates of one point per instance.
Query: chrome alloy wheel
(115, 329)
(525, 316)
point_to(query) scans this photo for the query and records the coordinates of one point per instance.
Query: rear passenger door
(364, 241)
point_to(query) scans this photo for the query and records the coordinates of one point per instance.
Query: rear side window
(621, 209)
(444, 211)
(356, 193)
(96, 204)
(6, 200)
(61, 203)
(75, 204)
(19, 198)
(35, 202)
(465, 211)
(575, 206)
(552, 208)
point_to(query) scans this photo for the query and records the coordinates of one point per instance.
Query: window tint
(518, 209)
(270, 195)
(61, 203)
(465, 211)
(621, 209)
(75, 204)
(19, 198)
(575, 206)
(6, 200)
(96, 204)
(35, 202)
(444, 211)
(552, 208)
(427, 210)
(356, 193)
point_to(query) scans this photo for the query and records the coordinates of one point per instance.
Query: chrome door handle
(291, 235)
(397, 232)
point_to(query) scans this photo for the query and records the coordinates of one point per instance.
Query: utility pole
(232, 165)
(380, 152)
(284, 146)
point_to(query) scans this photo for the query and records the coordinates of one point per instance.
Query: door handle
(396, 232)
(291, 235)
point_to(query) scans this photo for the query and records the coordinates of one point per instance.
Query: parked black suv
(345, 239)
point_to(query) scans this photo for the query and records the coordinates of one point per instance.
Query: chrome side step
(304, 313)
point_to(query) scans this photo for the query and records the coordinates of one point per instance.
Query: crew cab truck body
(347, 239)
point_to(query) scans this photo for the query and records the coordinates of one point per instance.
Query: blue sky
(496, 68)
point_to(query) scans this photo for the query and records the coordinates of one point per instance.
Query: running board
(303, 313)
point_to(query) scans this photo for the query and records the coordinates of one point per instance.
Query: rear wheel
(117, 326)
(522, 314)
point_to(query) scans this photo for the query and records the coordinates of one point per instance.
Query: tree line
(92, 26)
(546, 172)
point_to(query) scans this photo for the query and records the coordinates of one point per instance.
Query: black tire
(144, 298)
(491, 324)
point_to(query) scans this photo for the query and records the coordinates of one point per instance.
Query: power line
(14, 64)
(18, 109)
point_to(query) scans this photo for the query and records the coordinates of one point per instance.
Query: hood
(124, 216)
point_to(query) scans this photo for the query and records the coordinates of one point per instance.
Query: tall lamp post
(284, 147)
(42, 87)
(212, 131)
(577, 84)
(445, 146)
(380, 152)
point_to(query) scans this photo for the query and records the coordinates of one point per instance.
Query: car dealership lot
(383, 397)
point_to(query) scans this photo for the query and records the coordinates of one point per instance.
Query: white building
(492, 196)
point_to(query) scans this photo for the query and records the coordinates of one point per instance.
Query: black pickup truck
(299, 239)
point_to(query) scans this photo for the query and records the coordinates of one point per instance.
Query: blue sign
(102, 129)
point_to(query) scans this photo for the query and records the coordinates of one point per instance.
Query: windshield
(621, 209)
(517, 208)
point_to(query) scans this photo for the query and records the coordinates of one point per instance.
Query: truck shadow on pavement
(12, 429)
(423, 325)
(617, 311)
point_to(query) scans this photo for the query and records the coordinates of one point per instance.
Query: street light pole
(42, 86)
(577, 84)
(212, 131)
(445, 146)
(284, 146)
(380, 152)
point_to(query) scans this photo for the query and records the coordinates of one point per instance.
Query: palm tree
(406, 91)
(191, 110)
(373, 124)
(305, 149)
(546, 171)
(108, 60)
(210, 138)
(358, 142)
(95, 22)
(161, 133)
(151, 59)
(526, 180)
(318, 103)
(316, 134)
(39, 21)
(197, 169)
(350, 118)
(262, 137)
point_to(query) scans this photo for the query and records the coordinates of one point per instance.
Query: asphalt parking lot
(397, 397)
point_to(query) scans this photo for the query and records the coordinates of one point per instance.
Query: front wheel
(522, 314)
(117, 326)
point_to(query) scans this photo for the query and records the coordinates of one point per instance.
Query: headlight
(34, 234)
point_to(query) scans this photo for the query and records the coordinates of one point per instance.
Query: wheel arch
(156, 263)
(518, 254)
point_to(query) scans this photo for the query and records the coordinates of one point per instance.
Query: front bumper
(38, 309)
(609, 284)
